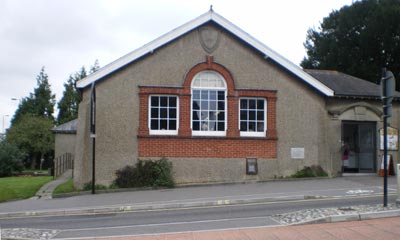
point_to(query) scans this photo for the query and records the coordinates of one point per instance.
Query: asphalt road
(177, 220)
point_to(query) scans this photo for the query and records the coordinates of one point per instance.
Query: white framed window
(163, 115)
(252, 117)
(208, 104)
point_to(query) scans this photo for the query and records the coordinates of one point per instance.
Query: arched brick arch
(209, 65)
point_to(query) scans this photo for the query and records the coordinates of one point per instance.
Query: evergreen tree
(69, 103)
(359, 40)
(40, 103)
(95, 67)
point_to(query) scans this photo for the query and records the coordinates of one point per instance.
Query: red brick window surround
(186, 144)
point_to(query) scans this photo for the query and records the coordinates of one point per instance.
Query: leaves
(33, 136)
(359, 40)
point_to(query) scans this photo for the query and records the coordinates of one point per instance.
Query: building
(223, 107)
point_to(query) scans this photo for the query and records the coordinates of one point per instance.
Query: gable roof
(209, 16)
(345, 85)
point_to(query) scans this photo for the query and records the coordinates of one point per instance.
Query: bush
(146, 174)
(313, 171)
(10, 159)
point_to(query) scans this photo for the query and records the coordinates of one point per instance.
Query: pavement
(386, 228)
(229, 194)
(194, 196)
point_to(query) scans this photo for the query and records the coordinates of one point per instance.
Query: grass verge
(12, 188)
(67, 187)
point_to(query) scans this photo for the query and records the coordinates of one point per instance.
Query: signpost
(388, 89)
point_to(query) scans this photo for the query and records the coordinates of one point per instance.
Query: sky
(64, 35)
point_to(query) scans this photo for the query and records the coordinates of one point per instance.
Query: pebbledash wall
(296, 115)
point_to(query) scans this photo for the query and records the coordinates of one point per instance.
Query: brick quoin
(186, 145)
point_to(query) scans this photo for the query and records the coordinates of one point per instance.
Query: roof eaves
(148, 48)
(269, 53)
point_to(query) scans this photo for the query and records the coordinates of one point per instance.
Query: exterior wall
(346, 110)
(64, 143)
(301, 118)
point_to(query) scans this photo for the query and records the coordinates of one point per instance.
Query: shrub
(146, 174)
(10, 159)
(313, 171)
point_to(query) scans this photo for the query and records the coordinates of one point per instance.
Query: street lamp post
(3, 122)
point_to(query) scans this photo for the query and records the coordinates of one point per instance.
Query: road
(177, 220)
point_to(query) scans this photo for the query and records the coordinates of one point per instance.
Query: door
(359, 147)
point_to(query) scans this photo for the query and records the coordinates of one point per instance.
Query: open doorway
(359, 147)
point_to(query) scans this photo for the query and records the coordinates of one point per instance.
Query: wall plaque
(297, 153)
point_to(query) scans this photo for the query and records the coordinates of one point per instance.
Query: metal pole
(93, 133)
(385, 113)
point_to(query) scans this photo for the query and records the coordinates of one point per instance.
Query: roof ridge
(191, 25)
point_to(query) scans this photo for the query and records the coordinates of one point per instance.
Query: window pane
(221, 95)
(252, 104)
(196, 125)
(252, 115)
(154, 124)
(221, 105)
(163, 124)
(163, 113)
(221, 126)
(172, 113)
(221, 116)
(213, 115)
(196, 94)
(260, 126)
(204, 94)
(243, 126)
(196, 105)
(252, 126)
(204, 105)
(260, 104)
(172, 124)
(204, 126)
(154, 102)
(243, 104)
(260, 115)
(154, 113)
(172, 102)
(243, 114)
(213, 95)
(196, 115)
(163, 101)
(213, 105)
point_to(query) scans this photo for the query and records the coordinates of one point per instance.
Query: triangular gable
(202, 19)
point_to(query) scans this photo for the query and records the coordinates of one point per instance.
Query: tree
(10, 159)
(33, 136)
(39, 103)
(69, 103)
(359, 40)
